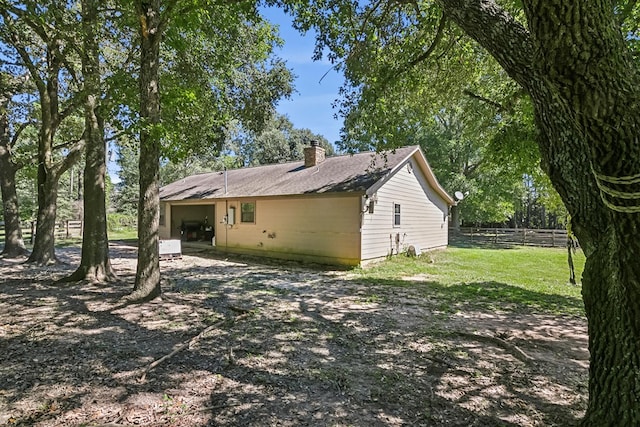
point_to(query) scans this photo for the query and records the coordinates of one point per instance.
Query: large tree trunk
(610, 281)
(584, 85)
(13, 242)
(596, 81)
(49, 169)
(147, 284)
(43, 251)
(597, 92)
(455, 218)
(94, 264)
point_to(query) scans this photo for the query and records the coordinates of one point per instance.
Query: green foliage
(278, 142)
(126, 192)
(119, 222)
(414, 78)
(217, 68)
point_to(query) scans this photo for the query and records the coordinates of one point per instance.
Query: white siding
(423, 216)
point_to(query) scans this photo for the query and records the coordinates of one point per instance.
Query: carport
(193, 222)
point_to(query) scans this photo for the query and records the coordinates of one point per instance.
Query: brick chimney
(313, 155)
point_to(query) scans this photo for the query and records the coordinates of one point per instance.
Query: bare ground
(283, 345)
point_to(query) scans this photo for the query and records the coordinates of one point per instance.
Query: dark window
(396, 214)
(248, 212)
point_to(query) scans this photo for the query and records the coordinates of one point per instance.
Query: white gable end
(421, 221)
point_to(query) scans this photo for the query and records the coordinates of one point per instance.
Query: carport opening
(193, 223)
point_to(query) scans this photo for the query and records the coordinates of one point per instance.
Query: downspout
(226, 213)
(363, 203)
(226, 222)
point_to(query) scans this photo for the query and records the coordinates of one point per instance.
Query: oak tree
(576, 61)
(10, 131)
(39, 35)
(94, 262)
(220, 56)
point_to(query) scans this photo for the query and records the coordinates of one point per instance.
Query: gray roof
(361, 173)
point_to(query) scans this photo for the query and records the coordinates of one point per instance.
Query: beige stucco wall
(321, 228)
(423, 216)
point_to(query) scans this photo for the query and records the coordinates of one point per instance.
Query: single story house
(346, 209)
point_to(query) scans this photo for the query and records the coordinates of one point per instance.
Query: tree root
(139, 296)
(192, 341)
(94, 274)
(512, 349)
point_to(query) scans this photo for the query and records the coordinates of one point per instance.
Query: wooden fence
(64, 230)
(512, 236)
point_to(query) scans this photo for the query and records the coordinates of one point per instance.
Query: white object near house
(170, 249)
(332, 210)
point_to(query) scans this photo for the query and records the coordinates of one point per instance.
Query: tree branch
(491, 102)
(19, 130)
(168, 10)
(68, 143)
(24, 55)
(628, 8)
(434, 43)
(190, 343)
(39, 30)
(71, 106)
(368, 15)
(115, 136)
(511, 348)
(72, 157)
(507, 40)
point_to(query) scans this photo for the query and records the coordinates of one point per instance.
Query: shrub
(120, 221)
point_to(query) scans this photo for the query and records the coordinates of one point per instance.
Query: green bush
(120, 222)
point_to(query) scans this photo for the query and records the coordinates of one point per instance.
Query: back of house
(334, 210)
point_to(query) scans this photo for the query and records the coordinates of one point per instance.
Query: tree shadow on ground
(487, 295)
(316, 348)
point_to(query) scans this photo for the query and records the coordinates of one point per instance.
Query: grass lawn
(124, 234)
(514, 279)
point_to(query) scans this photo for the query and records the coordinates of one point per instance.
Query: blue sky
(317, 83)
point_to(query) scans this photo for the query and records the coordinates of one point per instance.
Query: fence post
(524, 236)
(553, 238)
(33, 231)
(66, 229)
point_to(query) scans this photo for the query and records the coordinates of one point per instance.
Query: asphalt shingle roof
(347, 173)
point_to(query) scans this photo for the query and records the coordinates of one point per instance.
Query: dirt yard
(274, 345)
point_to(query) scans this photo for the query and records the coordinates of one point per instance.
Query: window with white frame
(396, 214)
(248, 212)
